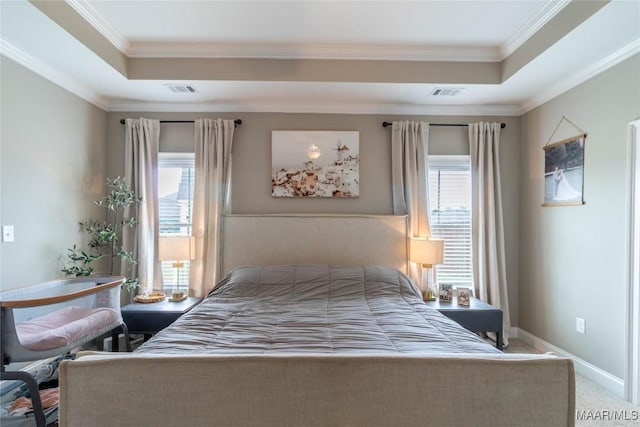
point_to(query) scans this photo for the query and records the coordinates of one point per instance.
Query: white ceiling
(459, 31)
(303, 23)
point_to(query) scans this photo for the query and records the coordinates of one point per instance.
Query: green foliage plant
(105, 237)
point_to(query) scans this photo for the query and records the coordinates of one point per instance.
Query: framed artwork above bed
(315, 163)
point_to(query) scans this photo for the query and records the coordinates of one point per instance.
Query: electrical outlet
(7, 233)
(580, 325)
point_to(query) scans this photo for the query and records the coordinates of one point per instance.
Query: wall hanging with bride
(564, 172)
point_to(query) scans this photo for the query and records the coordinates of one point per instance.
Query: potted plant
(105, 237)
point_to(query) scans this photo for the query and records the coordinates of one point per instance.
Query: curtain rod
(237, 122)
(386, 124)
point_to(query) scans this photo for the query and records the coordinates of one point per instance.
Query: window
(175, 187)
(450, 200)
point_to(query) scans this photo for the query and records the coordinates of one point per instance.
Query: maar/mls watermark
(607, 415)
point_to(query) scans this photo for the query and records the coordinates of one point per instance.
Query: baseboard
(612, 383)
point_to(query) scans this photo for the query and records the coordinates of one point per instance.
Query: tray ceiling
(500, 58)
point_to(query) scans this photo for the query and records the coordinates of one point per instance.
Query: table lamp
(177, 249)
(426, 253)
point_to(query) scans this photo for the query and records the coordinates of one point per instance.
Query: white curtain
(409, 173)
(213, 141)
(141, 142)
(489, 271)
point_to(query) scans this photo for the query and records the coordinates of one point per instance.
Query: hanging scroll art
(564, 170)
(315, 164)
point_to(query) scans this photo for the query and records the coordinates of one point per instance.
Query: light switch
(7, 233)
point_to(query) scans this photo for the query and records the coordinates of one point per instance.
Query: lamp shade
(176, 248)
(426, 251)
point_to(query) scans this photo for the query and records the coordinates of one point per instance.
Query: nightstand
(476, 317)
(150, 318)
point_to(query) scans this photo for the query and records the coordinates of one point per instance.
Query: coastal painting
(315, 163)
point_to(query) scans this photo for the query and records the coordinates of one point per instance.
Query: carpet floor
(595, 405)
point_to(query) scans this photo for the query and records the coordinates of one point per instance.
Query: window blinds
(175, 186)
(450, 204)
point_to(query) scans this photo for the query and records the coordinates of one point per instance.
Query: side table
(476, 317)
(150, 318)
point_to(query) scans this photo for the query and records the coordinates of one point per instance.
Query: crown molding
(312, 51)
(319, 108)
(550, 9)
(280, 50)
(586, 73)
(319, 51)
(100, 23)
(55, 76)
(329, 51)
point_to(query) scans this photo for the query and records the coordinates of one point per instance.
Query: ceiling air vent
(181, 88)
(446, 91)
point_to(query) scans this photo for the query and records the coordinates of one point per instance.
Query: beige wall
(52, 162)
(251, 185)
(572, 259)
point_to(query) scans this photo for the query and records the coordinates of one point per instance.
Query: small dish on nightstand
(149, 298)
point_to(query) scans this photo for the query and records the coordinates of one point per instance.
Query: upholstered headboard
(314, 239)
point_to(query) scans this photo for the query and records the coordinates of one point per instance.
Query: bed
(316, 344)
(314, 309)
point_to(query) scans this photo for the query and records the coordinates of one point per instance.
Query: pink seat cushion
(64, 327)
